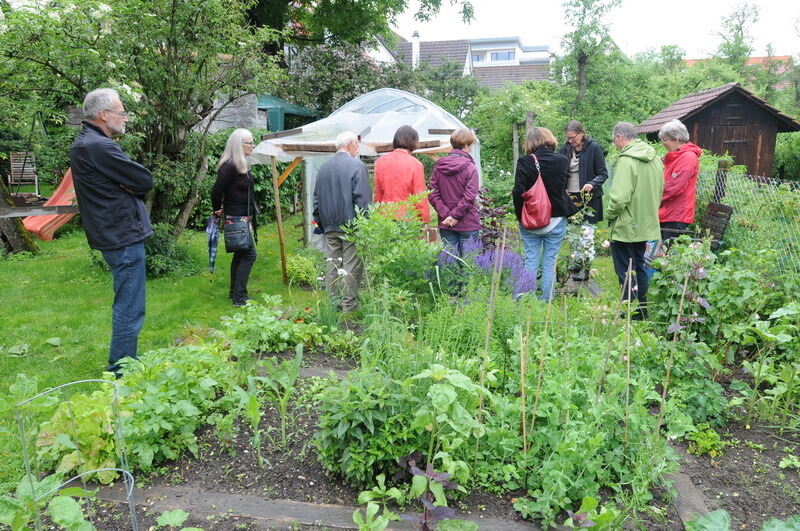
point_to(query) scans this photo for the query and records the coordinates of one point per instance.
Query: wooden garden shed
(728, 119)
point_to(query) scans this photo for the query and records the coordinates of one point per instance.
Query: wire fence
(766, 214)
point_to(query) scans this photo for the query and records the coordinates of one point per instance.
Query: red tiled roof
(435, 53)
(691, 104)
(494, 77)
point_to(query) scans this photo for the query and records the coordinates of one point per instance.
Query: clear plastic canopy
(375, 116)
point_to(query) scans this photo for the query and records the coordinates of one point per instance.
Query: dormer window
(503, 56)
(478, 57)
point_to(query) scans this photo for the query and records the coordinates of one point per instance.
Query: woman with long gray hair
(233, 198)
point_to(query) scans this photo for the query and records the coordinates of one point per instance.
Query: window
(478, 57)
(502, 56)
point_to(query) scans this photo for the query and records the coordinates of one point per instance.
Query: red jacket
(680, 184)
(398, 175)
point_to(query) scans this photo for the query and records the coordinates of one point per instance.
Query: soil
(318, 360)
(746, 480)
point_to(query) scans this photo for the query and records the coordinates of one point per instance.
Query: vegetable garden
(445, 407)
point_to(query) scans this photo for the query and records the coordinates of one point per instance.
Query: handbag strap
(538, 168)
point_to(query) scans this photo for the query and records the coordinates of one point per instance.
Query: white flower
(587, 232)
(329, 259)
(342, 272)
(606, 244)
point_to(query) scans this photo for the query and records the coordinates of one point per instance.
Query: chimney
(415, 50)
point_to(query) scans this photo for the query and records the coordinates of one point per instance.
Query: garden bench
(714, 223)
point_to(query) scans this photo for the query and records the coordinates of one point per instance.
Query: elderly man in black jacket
(110, 189)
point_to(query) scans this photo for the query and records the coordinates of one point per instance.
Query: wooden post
(515, 141)
(13, 235)
(277, 198)
(722, 180)
(530, 122)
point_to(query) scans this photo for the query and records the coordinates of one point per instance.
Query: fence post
(530, 122)
(722, 180)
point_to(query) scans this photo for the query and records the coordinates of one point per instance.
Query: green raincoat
(635, 195)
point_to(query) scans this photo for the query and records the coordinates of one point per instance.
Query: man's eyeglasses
(250, 143)
(118, 113)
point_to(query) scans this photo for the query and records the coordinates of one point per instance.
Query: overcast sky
(637, 25)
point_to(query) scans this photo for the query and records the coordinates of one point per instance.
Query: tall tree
(737, 43)
(176, 63)
(588, 38)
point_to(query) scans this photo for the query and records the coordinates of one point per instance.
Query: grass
(61, 294)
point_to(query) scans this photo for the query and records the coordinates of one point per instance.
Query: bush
(303, 270)
(164, 255)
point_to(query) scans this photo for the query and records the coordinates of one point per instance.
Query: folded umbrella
(212, 229)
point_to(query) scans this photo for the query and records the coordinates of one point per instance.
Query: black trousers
(241, 265)
(631, 254)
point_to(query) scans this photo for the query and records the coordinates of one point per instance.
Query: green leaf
(9, 509)
(718, 520)
(790, 524)
(63, 438)
(172, 518)
(438, 493)
(442, 395)
(54, 341)
(419, 485)
(65, 511)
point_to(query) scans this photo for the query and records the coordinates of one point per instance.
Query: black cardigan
(591, 169)
(231, 191)
(555, 168)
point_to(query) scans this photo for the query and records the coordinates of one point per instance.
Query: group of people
(646, 201)
(643, 199)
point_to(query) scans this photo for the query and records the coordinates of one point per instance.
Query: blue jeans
(128, 271)
(456, 239)
(551, 243)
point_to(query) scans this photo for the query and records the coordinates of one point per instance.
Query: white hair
(674, 130)
(235, 152)
(345, 138)
(625, 129)
(101, 99)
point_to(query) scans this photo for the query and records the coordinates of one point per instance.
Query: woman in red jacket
(398, 174)
(681, 166)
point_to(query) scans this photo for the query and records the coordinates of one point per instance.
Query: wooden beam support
(288, 171)
(281, 134)
(313, 148)
(22, 212)
(441, 131)
(277, 197)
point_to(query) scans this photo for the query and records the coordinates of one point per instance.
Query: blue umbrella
(212, 229)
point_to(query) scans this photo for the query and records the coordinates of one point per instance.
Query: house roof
(436, 53)
(692, 104)
(494, 77)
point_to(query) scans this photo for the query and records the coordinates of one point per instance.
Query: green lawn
(61, 294)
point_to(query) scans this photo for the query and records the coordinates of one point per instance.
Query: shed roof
(436, 53)
(692, 104)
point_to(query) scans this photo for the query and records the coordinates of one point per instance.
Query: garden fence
(766, 214)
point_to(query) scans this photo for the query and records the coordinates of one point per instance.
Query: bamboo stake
(523, 384)
(277, 197)
(628, 350)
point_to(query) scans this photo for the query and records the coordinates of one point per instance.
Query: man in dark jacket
(110, 189)
(342, 185)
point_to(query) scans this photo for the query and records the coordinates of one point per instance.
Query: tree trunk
(12, 232)
(192, 199)
(583, 60)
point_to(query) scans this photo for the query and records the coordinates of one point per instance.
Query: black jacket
(112, 216)
(554, 173)
(591, 169)
(342, 185)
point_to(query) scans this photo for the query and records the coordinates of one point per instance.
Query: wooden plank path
(283, 514)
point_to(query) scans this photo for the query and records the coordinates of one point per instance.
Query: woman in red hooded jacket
(681, 166)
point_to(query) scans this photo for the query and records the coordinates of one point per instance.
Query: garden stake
(672, 355)
(628, 350)
(523, 385)
(498, 265)
(541, 366)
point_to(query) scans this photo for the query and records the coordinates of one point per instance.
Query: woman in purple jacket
(454, 185)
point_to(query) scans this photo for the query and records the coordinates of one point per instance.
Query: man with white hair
(110, 189)
(342, 186)
(632, 211)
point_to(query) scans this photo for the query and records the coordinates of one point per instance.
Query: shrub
(302, 270)
(165, 255)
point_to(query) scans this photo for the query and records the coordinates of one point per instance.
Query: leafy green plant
(250, 404)
(164, 255)
(718, 520)
(378, 499)
(790, 461)
(705, 440)
(588, 515)
(302, 270)
(31, 499)
(279, 384)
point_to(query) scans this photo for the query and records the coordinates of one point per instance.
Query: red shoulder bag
(536, 207)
